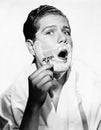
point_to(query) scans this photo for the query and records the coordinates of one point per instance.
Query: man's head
(48, 37)
(31, 25)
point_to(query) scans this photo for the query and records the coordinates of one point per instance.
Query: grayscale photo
(50, 65)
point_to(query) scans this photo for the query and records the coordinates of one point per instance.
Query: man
(53, 93)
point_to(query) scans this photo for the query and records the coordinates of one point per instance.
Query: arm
(31, 117)
(39, 84)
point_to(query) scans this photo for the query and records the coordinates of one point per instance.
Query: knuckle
(48, 78)
(38, 85)
(50, 73)
(47, 86)
(49, 83)
(30, 77)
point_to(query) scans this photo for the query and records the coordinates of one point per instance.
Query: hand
(40, 82)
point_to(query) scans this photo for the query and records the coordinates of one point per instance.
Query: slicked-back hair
(31, 27)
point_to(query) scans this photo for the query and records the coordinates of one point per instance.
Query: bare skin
(41, 81)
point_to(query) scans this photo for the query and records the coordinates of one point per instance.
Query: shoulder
(19, 87)
(84, 71)
(20, 81)
(87, 79)
(13, 100)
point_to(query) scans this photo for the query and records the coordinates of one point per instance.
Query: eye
(67, 32)
(50, 32)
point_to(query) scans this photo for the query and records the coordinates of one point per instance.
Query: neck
(63, 76)
(58, 85)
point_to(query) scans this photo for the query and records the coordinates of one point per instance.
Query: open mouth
(63, 54)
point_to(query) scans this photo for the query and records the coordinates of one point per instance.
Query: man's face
(53, 42)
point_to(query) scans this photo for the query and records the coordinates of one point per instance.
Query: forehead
(52, 19)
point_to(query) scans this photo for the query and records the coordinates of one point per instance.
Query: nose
(62, 38)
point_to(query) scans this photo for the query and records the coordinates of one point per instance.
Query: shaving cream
(47, 54)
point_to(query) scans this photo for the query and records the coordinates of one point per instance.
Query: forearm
(30, 119)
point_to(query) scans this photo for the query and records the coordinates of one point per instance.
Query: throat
(58, 86)
(58, 75)
(62, 77)
(56, 98)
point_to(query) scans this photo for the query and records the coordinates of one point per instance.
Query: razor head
(47, 59)
(48, 55)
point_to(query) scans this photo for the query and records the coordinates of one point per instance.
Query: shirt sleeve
(7, 121)
(98, 119)
(99, 126)
(3, 122)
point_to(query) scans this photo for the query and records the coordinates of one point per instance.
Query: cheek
(69, 40)
(38, 50)
(43, 48)
(47, 43)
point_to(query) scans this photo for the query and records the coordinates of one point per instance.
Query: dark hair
(30, 26)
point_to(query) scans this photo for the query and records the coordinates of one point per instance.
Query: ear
(30, 44)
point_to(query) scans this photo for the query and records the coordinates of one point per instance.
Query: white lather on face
(53, 42)
(60, 56)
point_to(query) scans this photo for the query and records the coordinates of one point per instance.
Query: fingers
(42, 78)
(45, 73)
(45, 83)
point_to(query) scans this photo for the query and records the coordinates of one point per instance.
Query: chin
(61, 67)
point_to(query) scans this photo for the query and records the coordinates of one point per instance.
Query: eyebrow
(51, 26)
(66, 27)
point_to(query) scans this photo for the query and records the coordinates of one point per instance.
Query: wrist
(32, 105)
